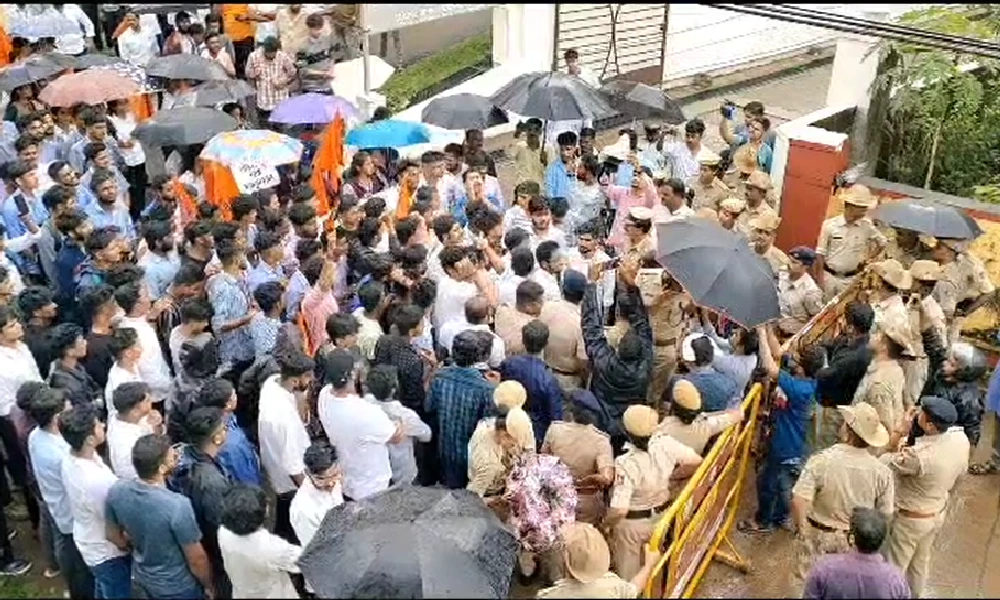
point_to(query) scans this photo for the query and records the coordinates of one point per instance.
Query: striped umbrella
(252, 146)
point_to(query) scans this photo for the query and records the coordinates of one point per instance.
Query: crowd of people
(169, 381)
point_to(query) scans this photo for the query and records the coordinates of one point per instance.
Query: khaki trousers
(915, 372)
(627, 541)
(833, 285)
(909, 548)
(664, 366)
(811, 545)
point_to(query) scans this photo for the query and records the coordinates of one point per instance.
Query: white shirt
(449, 304)
(266, 29)
(516, 218)
(122, 436)
(282, 435)
(116, 376)
(549, 283)
(360, 432)
(87, 482)
(124, 126)
(153, 367)
(606, 285)
(554, 234)
(507, 288)
(19, 366)
(447, 334)
(258, 564)
(75, 43)
(401, 458)
(309, 508)
(138, 47)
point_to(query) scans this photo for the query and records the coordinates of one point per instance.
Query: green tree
(942, 129)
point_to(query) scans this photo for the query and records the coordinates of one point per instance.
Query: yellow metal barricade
(698, 521)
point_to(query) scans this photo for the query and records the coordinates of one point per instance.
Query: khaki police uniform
(777, 260)
(925, 475)
(835, 481)
(585, 450)
(964, 278)
(642, 487)
(709, 196)
(800, 300)
(750, 213)
(669, 322)
(882, 387)
(906, 257)
(587, 561)
(844, 248)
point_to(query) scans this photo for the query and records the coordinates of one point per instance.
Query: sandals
(749, 526)
(984, 469)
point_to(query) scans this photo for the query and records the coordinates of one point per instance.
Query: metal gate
(615, 41)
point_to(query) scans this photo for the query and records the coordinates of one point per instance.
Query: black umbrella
(552, 96)
(719, 269)
(411, 542)
(183, 126)
(641, 101)
(186, 66)
(34, 68)
(938, 220)
(462, 111)
(211, 93)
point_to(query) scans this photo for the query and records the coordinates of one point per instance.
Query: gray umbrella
(34, 68)
(211, 93)
(462, 111)
(552, 96)
(929, 218)
(184, 126)
(186, 66)
(719, 269)
(92, 59)
(641, 101)
(411, 542)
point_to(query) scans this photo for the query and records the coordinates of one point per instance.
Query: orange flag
(220, 187)
(405, 201)
(327, 164)
(5, 48)
(189, 208)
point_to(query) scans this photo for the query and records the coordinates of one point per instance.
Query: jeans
(774, 491)
(78, 577)
(47, 533)
(282, 518)
(196, 592)
(113, 578)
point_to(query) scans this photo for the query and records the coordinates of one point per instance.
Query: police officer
(846, 241)
(688, 424)
(925, 474)
(757, 189)
(834, 482)
(763, 229)
(799, 297)
(884, 382)
(586, 451)
(642, 486)
(668, 317)
(925, 313)
(962, 284)
(904, 247)
(708, 189)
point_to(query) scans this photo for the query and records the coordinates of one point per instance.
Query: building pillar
(524, 33)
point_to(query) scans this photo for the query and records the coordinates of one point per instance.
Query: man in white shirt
(136, 418)
(126, 350)
(76, 44)
(522, 264)
(319, 492)
(550, 267)
(359, 430)
(382, 384)
(476, 313)
(137, 44)
(133, 298)
(542, 229)
(87, 480)
(373, 300)
(588, 253)
(282, 433)
(19, 365)
(461, 281)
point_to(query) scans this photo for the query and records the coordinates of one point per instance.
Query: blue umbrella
(388, 134)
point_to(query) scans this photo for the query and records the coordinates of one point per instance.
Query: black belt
(817, 525)
(845, 274)
(645, 514)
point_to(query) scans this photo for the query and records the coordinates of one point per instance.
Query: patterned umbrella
(252, 146)
(133, 72)
(89, 88)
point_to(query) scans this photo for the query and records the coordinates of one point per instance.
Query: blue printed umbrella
(388, 134)
(252, 146)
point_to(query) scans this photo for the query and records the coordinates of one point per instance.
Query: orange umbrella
(88, 87)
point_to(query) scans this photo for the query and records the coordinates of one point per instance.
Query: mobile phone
(22, 205)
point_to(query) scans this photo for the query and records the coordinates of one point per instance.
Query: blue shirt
(457, 399)
(160, 523)
(117, 216)
(545, 398)
(790, 421)
(263, 273)
(160, 271)
(298, 285)
(120, 180)
(230, 303)
(69, 257)
(47, 453)
(718, 390)
(558, 180)
(238, 457)
(27, 261)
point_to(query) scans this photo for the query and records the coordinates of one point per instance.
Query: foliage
(942, 130)
(406, 84)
